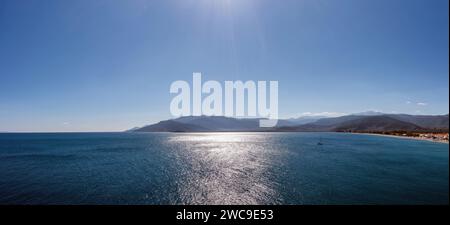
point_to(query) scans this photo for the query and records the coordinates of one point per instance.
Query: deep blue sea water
(221, 168)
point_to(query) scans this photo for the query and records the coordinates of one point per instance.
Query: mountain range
(361, 122)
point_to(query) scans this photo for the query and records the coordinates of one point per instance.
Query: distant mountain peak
(369, 113)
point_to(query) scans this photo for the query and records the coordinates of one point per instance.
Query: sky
(107, 65)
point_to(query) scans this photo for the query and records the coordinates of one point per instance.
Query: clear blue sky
(107, 65)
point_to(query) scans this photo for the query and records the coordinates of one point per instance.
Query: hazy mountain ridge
(432, 122)
(376, 123)
(304, 119)
(351, 123)
(380, 122)
(171, 126)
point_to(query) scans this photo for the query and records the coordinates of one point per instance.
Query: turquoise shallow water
(221, 168)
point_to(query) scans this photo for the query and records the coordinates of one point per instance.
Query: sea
(221, 168)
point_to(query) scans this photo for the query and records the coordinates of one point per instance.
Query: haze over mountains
(361, 122)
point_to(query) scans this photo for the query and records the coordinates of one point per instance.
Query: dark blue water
(221, 168)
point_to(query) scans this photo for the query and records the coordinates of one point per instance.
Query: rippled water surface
(221, 168)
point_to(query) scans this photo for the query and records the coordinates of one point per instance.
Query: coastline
(407, 137)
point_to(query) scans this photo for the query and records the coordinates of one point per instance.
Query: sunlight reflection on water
(226, 168)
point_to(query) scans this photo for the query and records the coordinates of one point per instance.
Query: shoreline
(407, 137)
